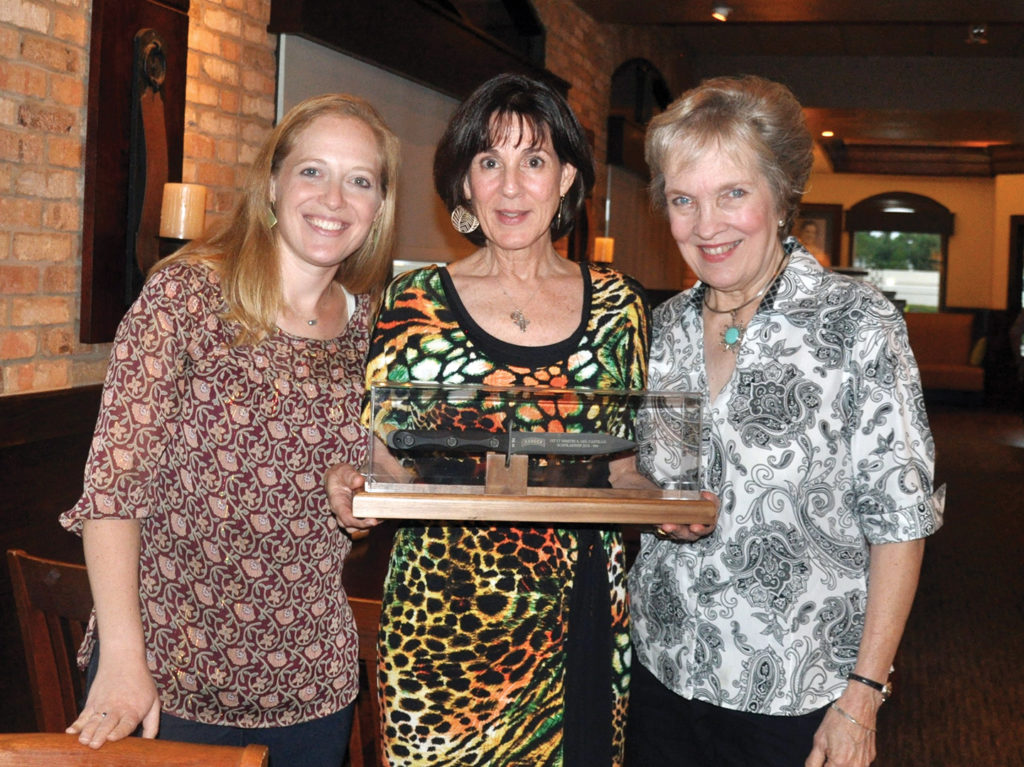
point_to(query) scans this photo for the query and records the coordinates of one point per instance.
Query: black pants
(667, 730)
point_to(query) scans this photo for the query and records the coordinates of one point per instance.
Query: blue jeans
(317, 743)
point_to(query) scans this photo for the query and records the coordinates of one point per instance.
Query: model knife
(511, 443)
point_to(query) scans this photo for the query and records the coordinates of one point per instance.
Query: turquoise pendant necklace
(733, 333)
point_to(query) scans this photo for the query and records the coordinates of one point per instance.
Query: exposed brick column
(583, 52)
(229, 109)
(44, 60)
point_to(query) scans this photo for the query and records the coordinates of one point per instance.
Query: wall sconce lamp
(721, 12)
(182, 215)
(604, 250)
(604, 247)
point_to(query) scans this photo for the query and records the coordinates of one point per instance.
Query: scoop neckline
(517, 353)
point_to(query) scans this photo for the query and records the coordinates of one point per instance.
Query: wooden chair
(364, 745)
(47, 749)
(53, 602)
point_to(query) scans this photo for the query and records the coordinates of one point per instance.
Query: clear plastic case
(533, 454)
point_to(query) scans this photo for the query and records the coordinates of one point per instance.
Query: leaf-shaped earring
(271, 218)
(463, 220)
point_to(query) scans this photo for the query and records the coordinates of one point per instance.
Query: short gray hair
(739, 115)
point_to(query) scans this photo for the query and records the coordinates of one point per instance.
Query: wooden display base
(506, 498)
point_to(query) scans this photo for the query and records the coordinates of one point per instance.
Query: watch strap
(883, 687)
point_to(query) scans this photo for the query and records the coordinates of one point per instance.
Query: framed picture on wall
(818, 226)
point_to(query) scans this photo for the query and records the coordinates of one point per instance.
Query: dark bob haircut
(480, 123)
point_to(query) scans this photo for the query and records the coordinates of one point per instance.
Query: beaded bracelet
(840, 711)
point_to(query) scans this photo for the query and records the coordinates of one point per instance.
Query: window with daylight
(901, 240)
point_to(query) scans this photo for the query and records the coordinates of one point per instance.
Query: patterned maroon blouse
(221, 452)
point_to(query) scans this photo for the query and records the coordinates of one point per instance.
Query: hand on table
(122, 695)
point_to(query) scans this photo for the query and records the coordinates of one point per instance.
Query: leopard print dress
(505, 646)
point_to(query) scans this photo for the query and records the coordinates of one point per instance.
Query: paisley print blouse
(220, 451)
(818, 447)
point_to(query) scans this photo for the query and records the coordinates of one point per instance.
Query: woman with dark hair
(234, 380)
(507, 645)
(770, 641)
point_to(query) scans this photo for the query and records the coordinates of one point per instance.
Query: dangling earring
(463, 220)
(271, 218)
(558, 216)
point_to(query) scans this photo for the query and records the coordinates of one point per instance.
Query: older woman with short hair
(507, 645)
(770, 640)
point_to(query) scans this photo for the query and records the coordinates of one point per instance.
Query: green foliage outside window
(898, 250)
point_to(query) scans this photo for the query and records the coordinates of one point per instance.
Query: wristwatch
(885, 689)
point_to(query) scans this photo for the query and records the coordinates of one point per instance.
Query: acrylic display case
(474, 453)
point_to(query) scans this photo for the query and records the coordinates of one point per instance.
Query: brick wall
(229, 100)
(582, 52)
(44, 61)
(44, 56)
(586, 54)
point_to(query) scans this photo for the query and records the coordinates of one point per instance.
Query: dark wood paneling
(910, 160)
(413, 38)
(105, 297)
(44, 441)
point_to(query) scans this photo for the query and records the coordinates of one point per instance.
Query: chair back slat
(53, 602)
(364, 746)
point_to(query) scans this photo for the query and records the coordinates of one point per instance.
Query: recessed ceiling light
(827, 134)
(721, 12)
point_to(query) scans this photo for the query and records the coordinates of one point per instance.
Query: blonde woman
(235, 380)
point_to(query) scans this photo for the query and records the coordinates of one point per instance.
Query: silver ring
(103, 714)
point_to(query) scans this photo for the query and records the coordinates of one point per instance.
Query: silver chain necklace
(518, 317)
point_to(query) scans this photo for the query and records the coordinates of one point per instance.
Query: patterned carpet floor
(959, 699)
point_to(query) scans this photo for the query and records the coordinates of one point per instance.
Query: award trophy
(537, 455)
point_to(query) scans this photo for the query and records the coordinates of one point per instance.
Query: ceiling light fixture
(827, 134)
(721, 12)
(977, 34)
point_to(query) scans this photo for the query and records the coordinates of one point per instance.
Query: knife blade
(512, 443)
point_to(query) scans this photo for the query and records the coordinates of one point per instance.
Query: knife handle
(477, 439)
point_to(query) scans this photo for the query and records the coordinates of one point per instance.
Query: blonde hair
(243, 249)
(741, 115)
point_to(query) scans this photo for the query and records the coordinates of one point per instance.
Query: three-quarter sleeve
(891, 444)
(138, 405)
